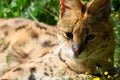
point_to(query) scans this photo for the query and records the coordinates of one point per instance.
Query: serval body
(82, 42)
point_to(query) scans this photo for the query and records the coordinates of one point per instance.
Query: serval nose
(77, 49)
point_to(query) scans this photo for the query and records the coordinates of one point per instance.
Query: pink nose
(77, 49)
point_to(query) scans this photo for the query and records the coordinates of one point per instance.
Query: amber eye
(69, 35)
(89, 37)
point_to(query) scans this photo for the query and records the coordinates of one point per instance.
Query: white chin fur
(68, 52)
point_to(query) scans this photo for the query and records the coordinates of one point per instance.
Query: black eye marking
(89, 37)
(69, 35)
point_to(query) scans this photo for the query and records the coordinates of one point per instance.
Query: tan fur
(27, 45)
(29, 50)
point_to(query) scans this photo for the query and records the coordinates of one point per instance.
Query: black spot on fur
(48, 43)
(17, 69)
(33, 69)
(32, 77)
(20, 27)
(40, 26)
(50, 69)
(24, 56)
(34, 34)
(50, 34)
(46, 74)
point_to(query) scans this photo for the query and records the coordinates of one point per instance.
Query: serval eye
(89, 37)
(69, 35)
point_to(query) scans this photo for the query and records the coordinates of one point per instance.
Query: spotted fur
(82, 41)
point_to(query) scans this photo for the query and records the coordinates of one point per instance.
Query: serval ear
(99, 9)
(70, 7)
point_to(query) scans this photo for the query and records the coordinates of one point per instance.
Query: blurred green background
(47, 11)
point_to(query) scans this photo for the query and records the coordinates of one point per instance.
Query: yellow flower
(108, 76)
(106, 73)
(86, 73)
(96, 78)
(117, 15)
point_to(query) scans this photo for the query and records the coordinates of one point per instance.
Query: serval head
(85, 32)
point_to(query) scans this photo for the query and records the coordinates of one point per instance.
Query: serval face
(85, 32)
